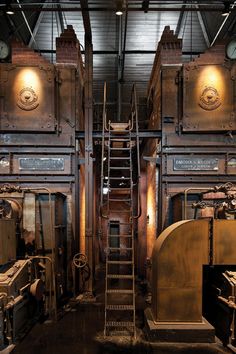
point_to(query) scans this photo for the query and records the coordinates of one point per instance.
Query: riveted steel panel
(208, 98)
(231, 164)
(224, 242)
(41, 164)
(4, 164)
(194, 164)
(7, 240)
(177, 259)
(27, 98)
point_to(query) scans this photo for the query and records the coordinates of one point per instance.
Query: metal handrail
(103, 143)
(104, 127)
(134, 115)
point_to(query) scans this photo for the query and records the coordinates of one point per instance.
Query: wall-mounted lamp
(120, 6)
(105, 190)
(145, 5)
(9, 10)
(148, 219)
(226, 10)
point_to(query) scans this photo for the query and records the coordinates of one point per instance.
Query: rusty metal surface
(195, 164)
(190, 147)
(41, 164)
(89, 180)
(178, 256)
(208, 102)
(224, 242)
(7, 240)
(22, 139)
(27, 95)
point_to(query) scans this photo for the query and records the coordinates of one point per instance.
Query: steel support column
(88, 127)
(89, 214)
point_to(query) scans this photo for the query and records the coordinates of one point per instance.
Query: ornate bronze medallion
(209, 99)
(28, 99)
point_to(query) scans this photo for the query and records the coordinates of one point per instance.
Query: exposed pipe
(124, 44)
(222, 25)
(27, 23)
(119, 69)
(105, 9)
(186, 194)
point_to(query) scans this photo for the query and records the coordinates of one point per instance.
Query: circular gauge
(4, 50)
(231, 49)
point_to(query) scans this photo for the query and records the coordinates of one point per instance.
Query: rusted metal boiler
(192, 103)
(41, 109)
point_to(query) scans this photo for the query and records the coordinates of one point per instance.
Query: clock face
(4, 50)
(231, 49)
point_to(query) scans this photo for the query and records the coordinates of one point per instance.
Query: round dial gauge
(231, 49)
(4, 50)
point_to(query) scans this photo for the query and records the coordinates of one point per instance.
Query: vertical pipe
(222, 25)
(89, 198)
(119, 69)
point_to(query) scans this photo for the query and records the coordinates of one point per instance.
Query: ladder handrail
(104, 110)
(135, 114)
(104, 127)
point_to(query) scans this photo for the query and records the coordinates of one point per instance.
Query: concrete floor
(80, 331)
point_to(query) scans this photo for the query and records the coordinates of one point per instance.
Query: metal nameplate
(232, 162)
(41, 164)
(195, 164)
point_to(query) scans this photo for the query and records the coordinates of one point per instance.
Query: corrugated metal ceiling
(197, 29)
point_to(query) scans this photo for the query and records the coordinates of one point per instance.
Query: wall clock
(4, 50)
(231, 49)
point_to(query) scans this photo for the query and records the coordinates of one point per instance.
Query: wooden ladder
(120, 277)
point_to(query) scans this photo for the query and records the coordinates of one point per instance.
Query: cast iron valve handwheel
(80, 260)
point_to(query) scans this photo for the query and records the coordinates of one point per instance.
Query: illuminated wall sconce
(105, 190)
(145, 5)
(226, 10)
(9, 10)
(120, 6)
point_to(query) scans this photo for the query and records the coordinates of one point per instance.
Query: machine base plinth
(201, 332)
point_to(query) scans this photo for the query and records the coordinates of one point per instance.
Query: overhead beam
(13, 28)
(86, 20)
(88, 153)
(115, 52)
(180, 21)
(36, 27)
(26, 22)
(60, 18)
(124, 44)
(223, 24)
(203, 27)
(155, 134)
(105, 9)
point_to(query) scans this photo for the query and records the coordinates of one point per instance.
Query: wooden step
(120, 189)
(120, 168)
(120, 262)
(117, 126)
(120, 249)
(120, 211)
(120, 148)
(119, 158)
(119, 139)
(119, 324)
(119, 291)
(119, 276)
(124, 236)
(120, 307)
(120, 178)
